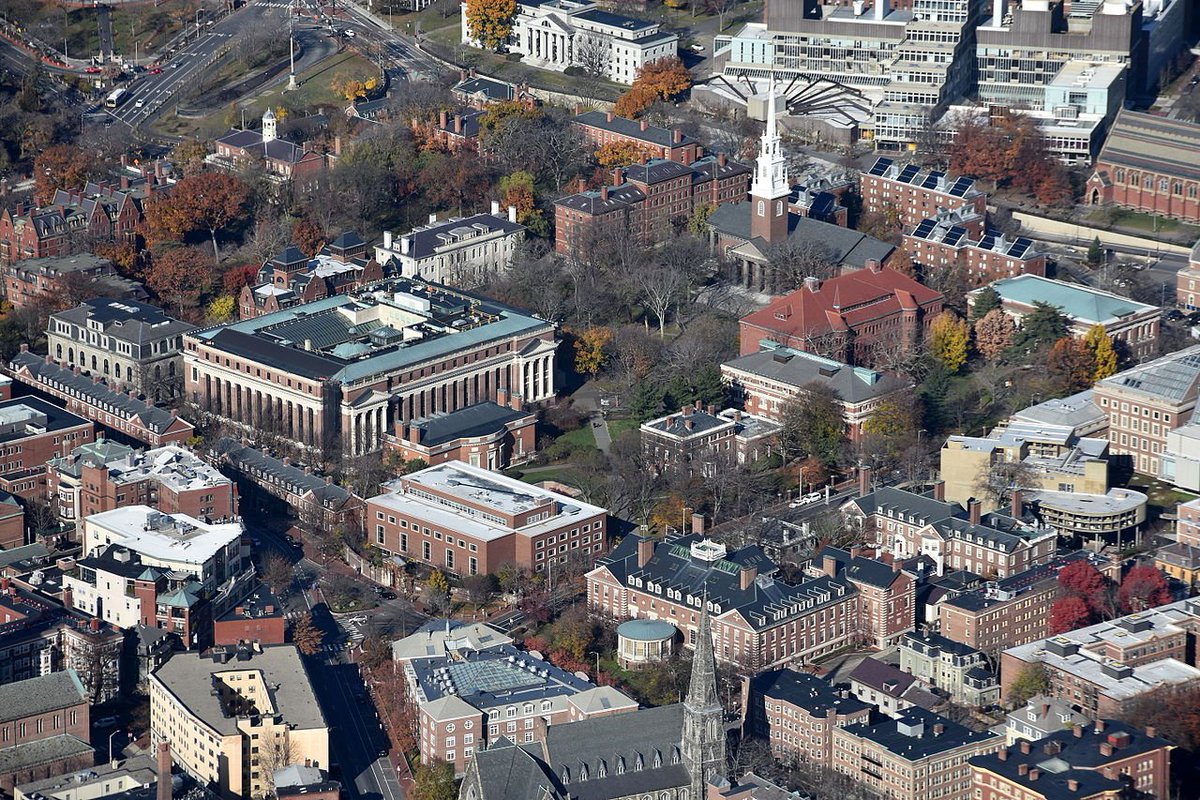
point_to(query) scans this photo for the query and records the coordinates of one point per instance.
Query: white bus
(114, 98)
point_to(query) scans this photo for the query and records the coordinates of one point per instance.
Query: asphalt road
(188, 64)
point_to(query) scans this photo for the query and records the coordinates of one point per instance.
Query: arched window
(762, 208)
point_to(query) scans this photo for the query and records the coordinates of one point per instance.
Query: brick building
(797, 712)
(93, 399)
(32, 432)
(521, 697)
(1145, 403)
(698, 441)
(275, 487)
(342, 371)
(646, 201)
(946, 242)
(908, 525)
(909, 194)
(1104, 759)
(1149, 164)
(469, 521)
(757, 619)
(763, 383)
(98, 211)
(257, 617)
(292, 278)
(599, 128)
(44, 279)
(846, 318)
(44, 728)
(483, 435)
(104, 475)
(1103, 667)
(1010, 611)
(916, 756)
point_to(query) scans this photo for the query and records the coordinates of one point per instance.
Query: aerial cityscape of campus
(600, 400)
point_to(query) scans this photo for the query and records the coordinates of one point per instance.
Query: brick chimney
(974, 510)
(1016, 505)
(645, 551)
(164, 771)
(864, 480)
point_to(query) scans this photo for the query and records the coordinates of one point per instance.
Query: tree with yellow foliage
(949, 338)
(490, 22)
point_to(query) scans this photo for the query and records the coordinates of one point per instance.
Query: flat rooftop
(190, 677)
(166, 537)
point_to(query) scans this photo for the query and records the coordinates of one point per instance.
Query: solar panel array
(881, 166)
(961, 187)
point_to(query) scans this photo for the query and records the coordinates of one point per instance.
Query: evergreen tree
(987, 300)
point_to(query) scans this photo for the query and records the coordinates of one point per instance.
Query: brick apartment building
(646, 200)
(45, 280)
(764, 383)
(946, 242)
(909, 194)
(599, 128)
(483, 435)
(44, 728)
(257, 617)
(1102, 760)
(697, 441)
(98, 211)
(104, 475)
(1149, 164)
(846, 318)
(291, 278)
(32, 432)
(797, 712)
(93, 399)
(757, 619)
(458, 715)
(1102, 668)
(907, 525)
(915, 756)
(342, 371)
(1146, 402)
(1010, 611)
(468, 521)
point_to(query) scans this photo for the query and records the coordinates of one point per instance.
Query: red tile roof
(843, 302)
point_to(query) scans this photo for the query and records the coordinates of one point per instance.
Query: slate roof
(263, 468)
(1159, 144)
(481, 419)
(848, 247)
(98, 395)
(920, 742)
(664, 137)
(27, 698)
(127, 320)
(797, 368)
(41, 751)
(766, 602)
(805, 691)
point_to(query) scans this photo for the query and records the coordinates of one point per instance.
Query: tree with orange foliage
(308, 236)
(664, 79)
(620, 153)
(208, 201)
(62, 166)
(179, 276)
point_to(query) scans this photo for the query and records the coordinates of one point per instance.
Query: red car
(92, 70)
(156, 70)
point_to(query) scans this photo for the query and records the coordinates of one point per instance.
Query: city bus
(114, 98)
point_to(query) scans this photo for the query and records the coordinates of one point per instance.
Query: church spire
(703, 745)
(769, 189)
